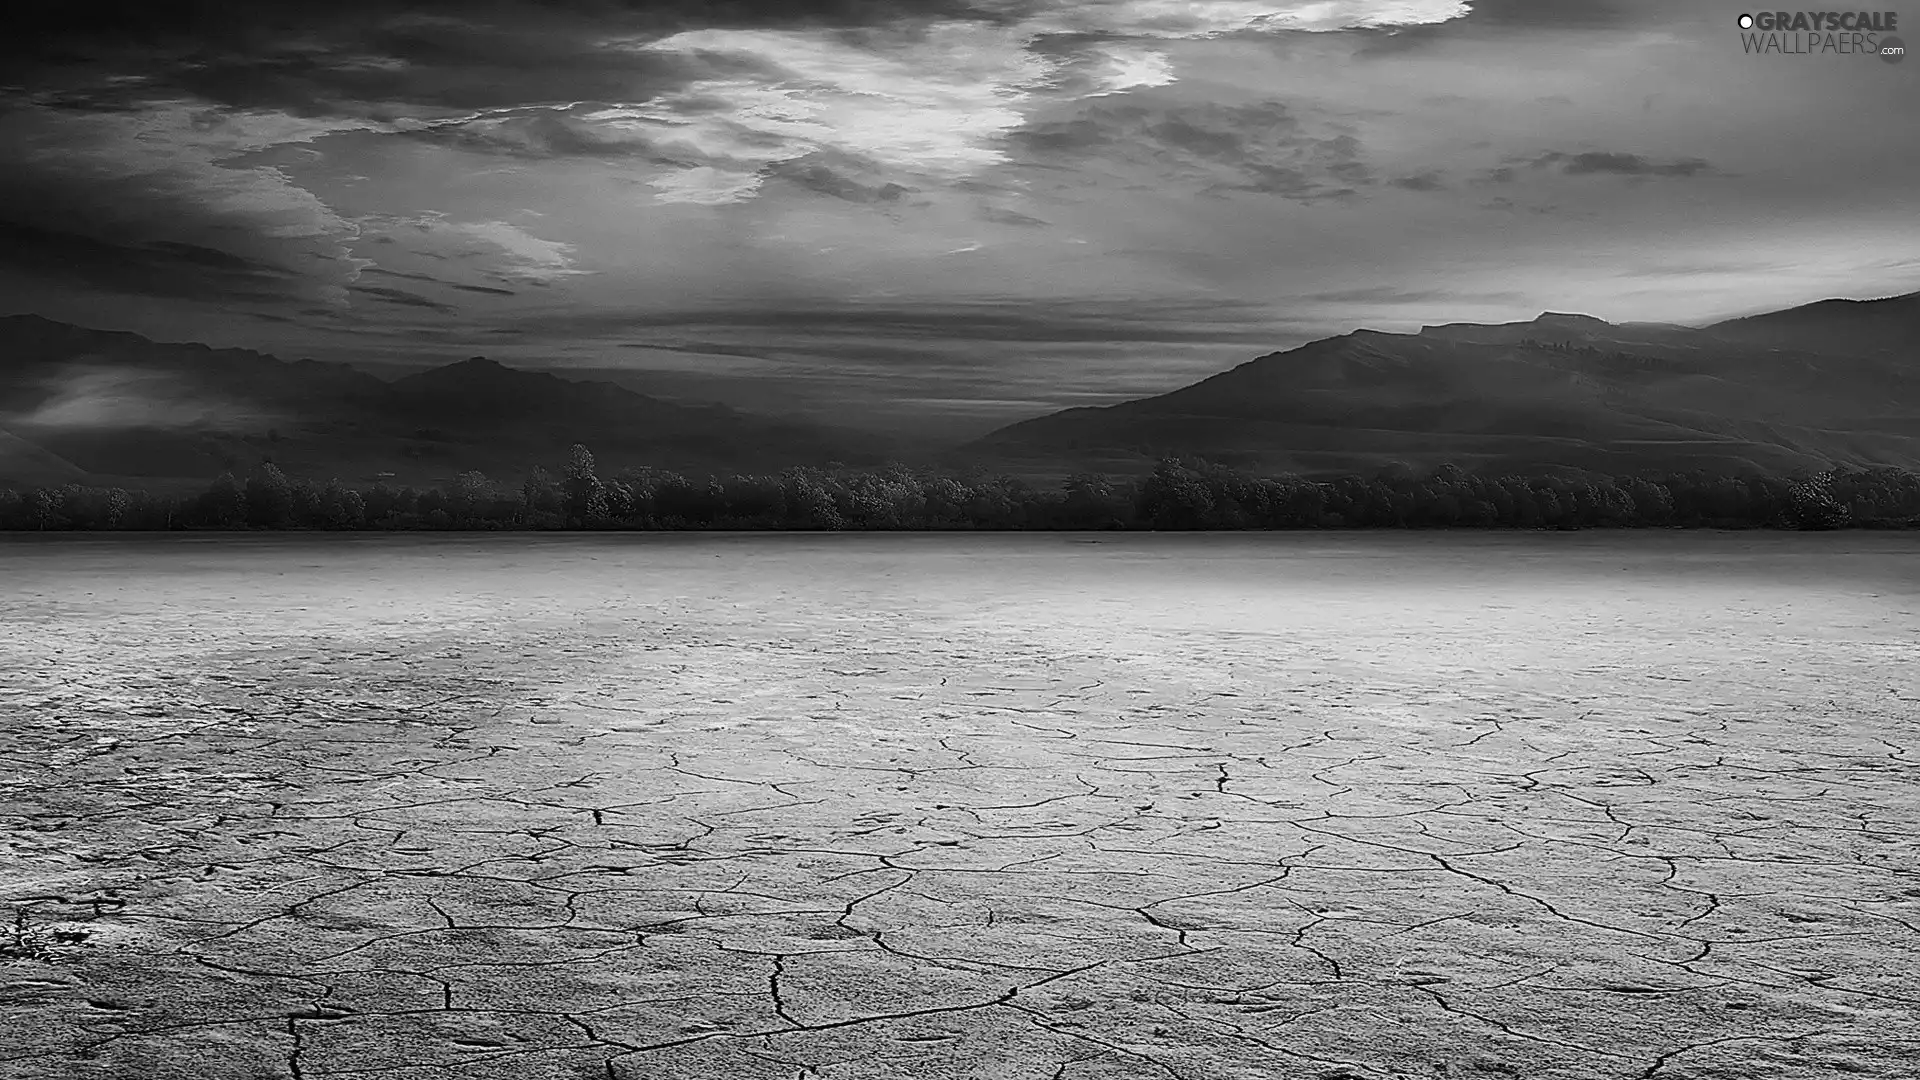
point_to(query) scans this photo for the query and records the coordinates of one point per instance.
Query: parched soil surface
(1191, 809)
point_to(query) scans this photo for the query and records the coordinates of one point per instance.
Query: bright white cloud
(931, 101)
(497, 249)
(527, 257)
(706, 185)
(1129, 67)
(1205, 18)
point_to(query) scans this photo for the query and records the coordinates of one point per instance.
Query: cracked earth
(615, 808)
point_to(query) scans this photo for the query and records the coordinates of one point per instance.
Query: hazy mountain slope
(117, 404)
(26, 464)
(1795, 390)
(479, 404)
(1847, 327)
(1558, 391)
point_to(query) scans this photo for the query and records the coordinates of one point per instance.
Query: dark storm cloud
(1262, 147)
(1006, 319)
(139, 202)
(165, 268)
(382, 271)
(488, 290)
(533, 133)
(814, 173)
(362, 57)
(1595, 163)
(641, 156)
(75, 24)
(680, 87)
(378, 72)
(1618, 164)
(402, 297)
(427, 60)
(1002, 216)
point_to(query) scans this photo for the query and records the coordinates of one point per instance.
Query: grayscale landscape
(1319, 805)
(959, 540)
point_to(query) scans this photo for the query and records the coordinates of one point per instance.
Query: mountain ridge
(1559, 392)
(77, 402)
(1795, 390)
(1885, 325)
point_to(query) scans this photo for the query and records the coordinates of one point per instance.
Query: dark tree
(224, 506)
(585, 496)
(269, 497)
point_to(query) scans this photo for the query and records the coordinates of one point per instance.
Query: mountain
(21, 462)
(1790, 391)
(109, 406)
(1888, 327)
(1559, 392)
(480, 402)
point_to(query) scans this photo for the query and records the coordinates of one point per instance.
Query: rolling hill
(1793, 391)
(1887, 327)
(1559, 392)
(109, 406)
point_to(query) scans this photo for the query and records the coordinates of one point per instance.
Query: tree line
(1179, 494)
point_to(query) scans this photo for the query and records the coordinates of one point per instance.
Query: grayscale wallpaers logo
(1830, 33)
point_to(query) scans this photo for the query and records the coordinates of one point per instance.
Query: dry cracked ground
(1638, 806)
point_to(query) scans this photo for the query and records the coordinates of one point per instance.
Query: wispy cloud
(401, 297)
(498, 249)
(1259, 147)
(1619, 164)
(1699, 269)
(1594, 163)
(526, 256)
(171, 183)
(931, 101)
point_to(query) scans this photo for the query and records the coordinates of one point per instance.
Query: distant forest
(1180, 494)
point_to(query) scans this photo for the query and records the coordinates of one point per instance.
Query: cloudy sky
(933, 214)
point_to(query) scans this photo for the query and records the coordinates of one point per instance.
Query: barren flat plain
(619, 807)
